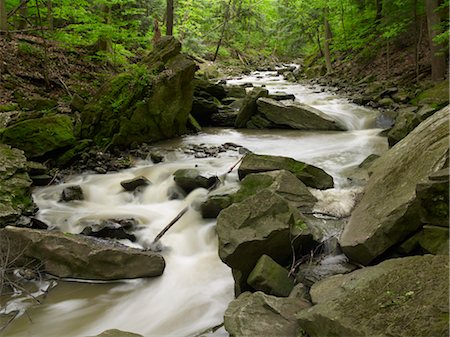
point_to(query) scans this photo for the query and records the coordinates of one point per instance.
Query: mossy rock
(436, 96)
(37, 137)
(36, 103)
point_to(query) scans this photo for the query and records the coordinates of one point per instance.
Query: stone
(249, 108)
(366, 163)
(436, 96)
(235, 91)
(72, 193)
(434, 240)
(310, 175)
(281, 96)
(117, 333)
(224, 118)
(209, 88)
(15, 186)
(203, 109)
(81, 257)
(134, 183)
(404, 124)
(36, 103)
(40, 136)
(190, 179)
(398, 297)
(77, 103)
(388, 212)
(262, 224)
(263, 315)
(270, 278)
(214, 204)
(114, 229)
(150, 102)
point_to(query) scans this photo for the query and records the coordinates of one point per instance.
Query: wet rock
(281, 96)
(203, 109)
(117, 333)
(40, 136)
(378, 223)
(15, 186)
(366, 163)
(249, 108)
(235, 91)
(156, 158)
(261, 224)
(202, 87)
(263, 315)
(108, 229)
(404, 124)
(294, 115)
(79, 256)
(214, 204)
(72, 193)
(400, 297)
(190, 179)
(134, 183)
(27, 222)
(310, 175)
(224, 118)
(270, 278)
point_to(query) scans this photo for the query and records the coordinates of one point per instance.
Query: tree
(226, 17)
(3, 17)
(169, 17)
(326, 43)
(438, 63)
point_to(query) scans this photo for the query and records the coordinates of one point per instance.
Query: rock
(283, 183)
(72, 193)
(33, 223)
(310, 175)
(190, 179)
(77, 103)
(263, 315)
(388, 212)
(71, 155)
(157, 107)
(399, 297)
(270, 278)
(434, 240)
(36, 103)
(203, 109)
(282, 96)
(117, 333)
(433, 199)
(15, 191)
(436, 96)
(110, 229)
(211, 89)
(366, 163)
(294, 115)
(386, 102)
(261, 224)
(40, 136)
(79, 256)
(235, 91)
(404, 124)
(249, 108)
(224, 118)
(214, 204)
(134, 183)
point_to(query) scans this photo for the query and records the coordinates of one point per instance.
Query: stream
(196, 287)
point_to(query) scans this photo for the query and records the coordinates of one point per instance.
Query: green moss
(252, 184)
(8, 107)
(436, 96)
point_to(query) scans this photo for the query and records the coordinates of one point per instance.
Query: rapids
(196, 287)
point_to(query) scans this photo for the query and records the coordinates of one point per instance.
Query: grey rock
(249, 108)
(132, 184)
(190, 179)
(72, 193)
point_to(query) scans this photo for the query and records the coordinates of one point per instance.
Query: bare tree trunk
(104, 43)
(438, 64)
(169, 17)
(326, 44)
(23, 15)
(379, 15)
(319, 43)
(50, 15)
(3, 17)
(224, 28)
(343, 23)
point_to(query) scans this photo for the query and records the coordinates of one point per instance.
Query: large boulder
(389, 211)
(79, 256)
(310, 175)
(263, 315)
(399, 297)
(294, 115)
(15, 191)
(263, 224)
(190, 179)
(40, 136)
(249, 108)
(148, 103)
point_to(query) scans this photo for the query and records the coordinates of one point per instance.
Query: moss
(8, 107)
(436, 96)
(252, 184)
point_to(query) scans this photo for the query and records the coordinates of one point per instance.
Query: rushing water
(196, 286)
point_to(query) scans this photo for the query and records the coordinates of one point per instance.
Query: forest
(272, 168)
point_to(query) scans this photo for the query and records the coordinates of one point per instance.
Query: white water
(196, 286)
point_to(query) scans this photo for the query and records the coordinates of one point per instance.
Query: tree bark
(379, 15)
(104, 43)
(3, 17)
(224, 28)
(326, 43)
(23, 15)
(50, 15)
(438, 63)
(169, 17)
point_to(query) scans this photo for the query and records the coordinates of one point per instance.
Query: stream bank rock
(15, 186)
(263, 315)
(292, 115)
(260, 225)
(149, 103)
(249, 108)
(389, 211)
(399, 297)
(83, 257)
(310, 175)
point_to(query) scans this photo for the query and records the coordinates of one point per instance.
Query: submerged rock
(79, 256)
(15, 186)
(263, 315)
(132, 184)
(389, 210)
(399, 297)
(72, 193)
(310, 175)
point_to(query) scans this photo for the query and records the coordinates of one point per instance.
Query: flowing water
(196, 286)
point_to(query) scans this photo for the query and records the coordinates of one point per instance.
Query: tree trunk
(169, 17)
(224, 28)
(326, 44)
(50, 15)
(104, 43)
(3, 17)
(438, 64)
(379, 15)
(23, 15)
